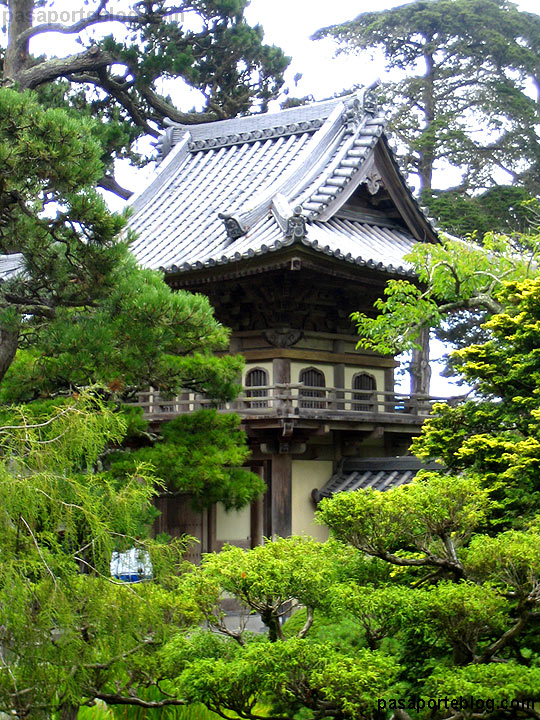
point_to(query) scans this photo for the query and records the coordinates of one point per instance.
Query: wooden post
(212, 529)
(389, 387)
(339, 382)
(257, 512)
(257, 517)
(281, 371)
(281, 495)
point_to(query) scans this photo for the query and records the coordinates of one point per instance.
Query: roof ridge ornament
(233, 227)
(370, 102)
(296, 225)
(352, 115)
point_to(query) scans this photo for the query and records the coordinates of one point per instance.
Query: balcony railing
(287, 400)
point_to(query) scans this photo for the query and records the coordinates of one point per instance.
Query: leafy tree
(120, 77)
(67, 630)
(459, 285)
(467, 66)
(77, 312)
(75, 298)
(202, 454)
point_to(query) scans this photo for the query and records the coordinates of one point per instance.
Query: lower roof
(377, 473)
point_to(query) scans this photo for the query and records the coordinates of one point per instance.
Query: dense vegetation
(465, 100)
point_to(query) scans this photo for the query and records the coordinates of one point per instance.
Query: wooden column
(212, 529)
(339, 382)
(281, 495)
(389, 387)
(257, 515)
(281, 370)
(339, 375)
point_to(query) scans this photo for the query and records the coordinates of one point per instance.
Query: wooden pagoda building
(289, 222)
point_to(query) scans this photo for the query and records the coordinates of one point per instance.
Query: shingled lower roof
(377, 473)
(234, 189)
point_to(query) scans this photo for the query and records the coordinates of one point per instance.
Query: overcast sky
(290, 24)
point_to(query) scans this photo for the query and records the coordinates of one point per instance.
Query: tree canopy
(467, 98)
(126, 56)
(458, 285)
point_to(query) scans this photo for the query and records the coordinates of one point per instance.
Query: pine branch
(114, 699)
(49, 70)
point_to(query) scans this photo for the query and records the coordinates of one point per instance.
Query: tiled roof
(228, 190)
(377, 473)
(10, 265)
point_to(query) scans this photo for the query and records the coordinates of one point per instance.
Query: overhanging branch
(48, 70)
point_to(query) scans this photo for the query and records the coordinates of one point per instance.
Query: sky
(290, 24)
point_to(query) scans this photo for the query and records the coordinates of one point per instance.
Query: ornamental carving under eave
(283, 338)
(374, 182)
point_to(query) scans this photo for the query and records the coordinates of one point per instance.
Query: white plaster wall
(233, 525)
(307, 475)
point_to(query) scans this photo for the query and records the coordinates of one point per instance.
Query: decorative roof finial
(232, 226)
(296, 225)
(352, 115)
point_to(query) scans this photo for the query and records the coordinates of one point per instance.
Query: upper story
(289, 222)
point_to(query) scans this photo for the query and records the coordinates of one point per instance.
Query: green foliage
(201, 454)
(140, 334)
(51, 213)
(463, 64)
(288, 676)
(78, 301)
(496, 436)
(78, 313)
(502, 207)
(456, 279)
(68, 631)
(416, 517)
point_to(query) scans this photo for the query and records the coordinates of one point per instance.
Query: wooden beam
(317, 356)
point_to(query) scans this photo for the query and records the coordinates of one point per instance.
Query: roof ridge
(263, 126)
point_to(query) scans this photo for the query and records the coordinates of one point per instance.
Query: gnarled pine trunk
(17, 53)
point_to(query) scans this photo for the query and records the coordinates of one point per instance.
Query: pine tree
(465, 101)
(120, 75)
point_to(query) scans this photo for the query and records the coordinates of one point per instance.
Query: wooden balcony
(287, 401)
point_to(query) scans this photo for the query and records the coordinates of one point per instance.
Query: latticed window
(257, 378)
(364, 382)
(312, 379)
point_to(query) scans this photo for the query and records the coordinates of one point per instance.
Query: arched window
(312, 379)
(256, 378)
(364, 382)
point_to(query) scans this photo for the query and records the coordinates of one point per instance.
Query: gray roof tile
(313, 157)
(376, 473)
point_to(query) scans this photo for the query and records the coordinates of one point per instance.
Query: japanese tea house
(289, 222)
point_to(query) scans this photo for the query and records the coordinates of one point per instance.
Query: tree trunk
(17, 54)
(9, 342)
(427, 154)
(68, 711)
(420, 368)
